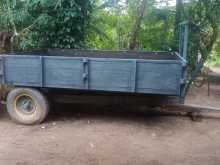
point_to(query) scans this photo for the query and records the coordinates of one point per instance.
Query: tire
(27, 106)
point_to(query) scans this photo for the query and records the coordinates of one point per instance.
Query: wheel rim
(25, 104)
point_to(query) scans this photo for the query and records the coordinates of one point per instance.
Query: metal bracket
(85, 76)
(85, 61)
(85, 73)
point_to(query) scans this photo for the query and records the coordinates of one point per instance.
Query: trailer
(32, 75)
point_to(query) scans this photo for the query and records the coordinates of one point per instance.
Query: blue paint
(148, 76)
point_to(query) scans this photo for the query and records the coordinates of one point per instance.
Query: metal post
(185, 42)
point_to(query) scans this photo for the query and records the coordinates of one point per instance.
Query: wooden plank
(63, 72)
(101, 74)
(191, 107)
(22, 70)
(157, 78)
(110, 75)
(193, 110)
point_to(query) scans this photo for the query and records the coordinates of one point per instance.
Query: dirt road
(94, 135)
(110, 136)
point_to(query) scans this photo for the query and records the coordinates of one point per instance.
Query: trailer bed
(122, 71)
(157, 55)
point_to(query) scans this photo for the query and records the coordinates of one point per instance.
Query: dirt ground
(98, 135)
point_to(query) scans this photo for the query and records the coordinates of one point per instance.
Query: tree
(46, 23)
(204, 17)
(65, 23)
(137, 24)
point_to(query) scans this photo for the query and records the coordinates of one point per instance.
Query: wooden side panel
(22, 70)
(120, 75)
(110, 75)
(158, 78)
(63, 72)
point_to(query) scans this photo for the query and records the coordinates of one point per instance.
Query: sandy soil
(106, 137)
(199, 96)
(97, 135)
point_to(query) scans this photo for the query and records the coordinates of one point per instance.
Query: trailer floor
(95, 135)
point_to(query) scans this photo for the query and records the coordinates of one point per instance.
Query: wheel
(27, 106)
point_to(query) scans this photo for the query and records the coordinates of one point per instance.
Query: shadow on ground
(112, 113)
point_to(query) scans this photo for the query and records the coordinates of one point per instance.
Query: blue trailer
(146, 73)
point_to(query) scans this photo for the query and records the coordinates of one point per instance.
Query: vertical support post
(134, 76)
(86, 73)
(183, 47)
(42, 70)
(185, 42)
(180, 40)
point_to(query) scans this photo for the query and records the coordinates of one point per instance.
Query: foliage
(109, 31)
(116, 22)
(65, 22)
(159, 28)
(204, 27)
(47, 23)
(109, 24)
(214, 60)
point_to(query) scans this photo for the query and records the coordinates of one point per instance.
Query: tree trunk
(5, 44)
(164, 34)
(137, 24)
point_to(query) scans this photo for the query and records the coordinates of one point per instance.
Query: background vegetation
(150, 25)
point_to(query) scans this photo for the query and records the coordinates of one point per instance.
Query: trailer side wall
(104, 74)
